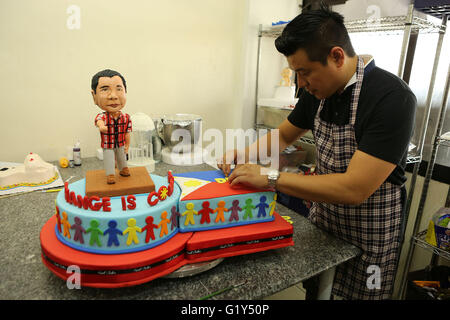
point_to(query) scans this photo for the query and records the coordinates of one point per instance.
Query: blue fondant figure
(113, 232)
(262, 207)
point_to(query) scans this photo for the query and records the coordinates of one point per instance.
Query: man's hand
(227, 160)
(250, 175)
(101, 126)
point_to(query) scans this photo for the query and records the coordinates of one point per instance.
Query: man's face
(319, 80)
(110, 95)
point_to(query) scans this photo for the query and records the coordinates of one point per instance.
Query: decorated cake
(208, 202)
(34, 172)
(131, 238)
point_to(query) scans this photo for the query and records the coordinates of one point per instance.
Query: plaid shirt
(117, 128)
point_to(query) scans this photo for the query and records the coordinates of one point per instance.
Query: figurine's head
(109, 90)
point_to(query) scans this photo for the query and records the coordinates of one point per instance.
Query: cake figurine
(286, 74)
(109, 92)
(34, 172)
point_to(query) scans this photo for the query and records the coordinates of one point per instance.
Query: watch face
(273, 174)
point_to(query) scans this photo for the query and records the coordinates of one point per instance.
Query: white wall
(272, 62)
(176, 55)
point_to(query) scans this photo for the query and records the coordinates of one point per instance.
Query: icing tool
(222, 290)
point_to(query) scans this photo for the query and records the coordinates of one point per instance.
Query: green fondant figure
(248, 209)
(95, 233)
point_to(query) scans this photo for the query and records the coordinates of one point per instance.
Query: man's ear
(94, 96)
(337, 55)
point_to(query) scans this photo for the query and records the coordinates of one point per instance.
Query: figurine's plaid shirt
(117, 128)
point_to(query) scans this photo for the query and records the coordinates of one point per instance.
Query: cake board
(112, 271)
(239, 240)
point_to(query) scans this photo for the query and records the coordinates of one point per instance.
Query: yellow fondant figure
(66, 225)
(272, 204)
(189, 213)
(132, 232)
(220, 210)
(163, 224)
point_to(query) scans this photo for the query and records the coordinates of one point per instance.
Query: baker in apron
(372, 226)
(361, 139)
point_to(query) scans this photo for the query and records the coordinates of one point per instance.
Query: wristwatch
(273, 176)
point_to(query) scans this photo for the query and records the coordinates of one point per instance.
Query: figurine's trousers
(109, 157)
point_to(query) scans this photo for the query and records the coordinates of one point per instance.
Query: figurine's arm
(101, 126)
(127, 141)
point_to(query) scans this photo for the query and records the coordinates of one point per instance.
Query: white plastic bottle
(77, 154)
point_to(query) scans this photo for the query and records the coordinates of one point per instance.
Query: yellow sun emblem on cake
(192, 183)
(163, 194)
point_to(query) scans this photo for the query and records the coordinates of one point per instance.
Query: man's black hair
(315, 31)
(106, 73)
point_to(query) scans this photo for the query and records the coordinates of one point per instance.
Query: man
(362, 119)
(109, 93)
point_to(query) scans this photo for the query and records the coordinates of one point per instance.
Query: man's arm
(288, 133)
(363, 177)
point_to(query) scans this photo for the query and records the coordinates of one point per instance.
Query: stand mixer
(181, 134)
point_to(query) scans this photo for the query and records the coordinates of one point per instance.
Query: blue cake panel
(121, 217)
(261, 213)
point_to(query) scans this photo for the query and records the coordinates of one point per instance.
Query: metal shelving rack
(395, 24)
(407, 24)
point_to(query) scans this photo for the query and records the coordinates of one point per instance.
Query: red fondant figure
(149, 227)
(205, 212)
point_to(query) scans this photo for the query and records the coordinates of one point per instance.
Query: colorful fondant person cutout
(205, 212)
(58, 219)
(132, 231)
(235, 210)
(95, 233)
(220, 211)
(79, 230)
(66, 225)
(248, 209)
(163, 224)
(262, 207)
(189, 213)
(109, 90)
(149, 228)
(112, 233)
(272, 204)
(174, 217)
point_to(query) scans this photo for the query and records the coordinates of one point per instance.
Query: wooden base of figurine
(138, 182)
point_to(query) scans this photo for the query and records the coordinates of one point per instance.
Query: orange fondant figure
(109, 91)
(220, 211)
(132, 231)
(66, 225)
(149, 228)
(189, 213)
(163, 224)
(205, 212)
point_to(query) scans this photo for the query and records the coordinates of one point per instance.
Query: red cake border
(58, 257)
